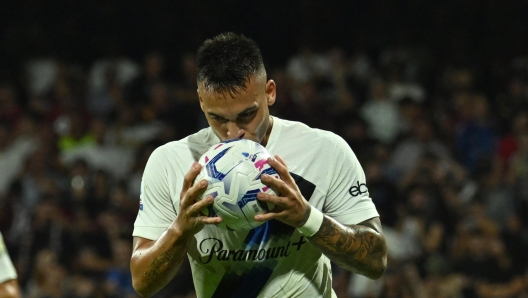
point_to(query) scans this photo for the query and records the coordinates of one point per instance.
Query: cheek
(218, 129)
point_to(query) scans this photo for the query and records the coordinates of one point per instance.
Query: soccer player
(8, 277)
(323, 213)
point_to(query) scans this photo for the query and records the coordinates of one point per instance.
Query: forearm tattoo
(163, 268)
(356, 248)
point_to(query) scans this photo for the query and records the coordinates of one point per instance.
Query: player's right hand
(190, 219)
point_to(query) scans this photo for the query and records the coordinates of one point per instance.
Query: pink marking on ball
(218, 146)
(265, 189)
(206, 159)
(261, 163)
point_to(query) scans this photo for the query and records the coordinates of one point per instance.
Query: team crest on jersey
(140, 193)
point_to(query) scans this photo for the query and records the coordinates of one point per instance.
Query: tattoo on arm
(358, 248)
(164, 267)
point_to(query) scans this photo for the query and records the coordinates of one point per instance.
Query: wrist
(178, 236)
(313, 223)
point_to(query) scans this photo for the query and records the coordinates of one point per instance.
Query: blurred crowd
(444, 148)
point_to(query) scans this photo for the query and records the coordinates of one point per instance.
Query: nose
(233, 131)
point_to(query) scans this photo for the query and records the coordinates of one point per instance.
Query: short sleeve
(348, 200)
(156, 210)
(7, 270)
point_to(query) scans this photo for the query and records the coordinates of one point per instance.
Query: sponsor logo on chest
(213, 248)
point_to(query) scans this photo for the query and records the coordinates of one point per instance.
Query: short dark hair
(227, 62)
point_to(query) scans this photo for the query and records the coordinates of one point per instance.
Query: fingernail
(264, 176)
(204, 183)
(196, 165)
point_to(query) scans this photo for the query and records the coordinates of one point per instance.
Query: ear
(200, 99)
(271, 92)
(201, 105)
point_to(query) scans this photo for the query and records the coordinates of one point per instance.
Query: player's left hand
(290, 206)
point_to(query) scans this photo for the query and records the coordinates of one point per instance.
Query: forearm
(9, 289)
(357, 248)
(155, 264)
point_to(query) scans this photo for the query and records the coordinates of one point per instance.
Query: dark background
(463, 32)
(456, 220)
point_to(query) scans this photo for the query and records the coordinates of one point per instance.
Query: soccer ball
(232, 169)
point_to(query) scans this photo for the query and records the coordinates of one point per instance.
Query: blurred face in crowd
(520, 123)
(122, 253)
(154, 65)
(422, 130)
(378, 89)
(240, 115)
(516, 88)
(480, 108)
(189, 66)
(462, 79)
(7, 95)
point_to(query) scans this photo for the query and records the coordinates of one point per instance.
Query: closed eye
(247, 114)
(218, 119)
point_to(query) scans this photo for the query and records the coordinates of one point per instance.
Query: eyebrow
(250, 109)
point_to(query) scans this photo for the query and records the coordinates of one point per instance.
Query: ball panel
(233, 170)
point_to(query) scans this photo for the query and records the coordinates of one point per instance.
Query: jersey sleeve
(156, 210)
(7, 270)
(348, 200)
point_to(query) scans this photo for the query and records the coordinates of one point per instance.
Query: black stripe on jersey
(251, 283)
(306, 187)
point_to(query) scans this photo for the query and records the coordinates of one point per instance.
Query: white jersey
(7, 270)
(273, 260)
